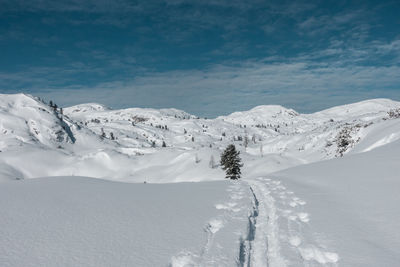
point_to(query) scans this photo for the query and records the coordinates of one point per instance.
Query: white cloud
(222, 89)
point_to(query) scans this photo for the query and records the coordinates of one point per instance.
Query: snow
(353, 203)
(304, 199)
(77, 221)
(72, 143)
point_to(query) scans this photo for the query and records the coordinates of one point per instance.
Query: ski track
(279, 231)
(265, 248)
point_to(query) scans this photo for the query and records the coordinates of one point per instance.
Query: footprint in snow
(184, 259)
(299, 201)
(280, 187)
(214, 225)
(295, 241)
(296, 201)
(313, 253)
(304, 217)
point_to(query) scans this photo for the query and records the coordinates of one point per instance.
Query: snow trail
(265, 248)
(278, 230)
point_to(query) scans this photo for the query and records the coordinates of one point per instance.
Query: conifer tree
(231, 162)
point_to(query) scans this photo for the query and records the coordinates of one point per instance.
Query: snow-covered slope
(76, 221)
(351, 205)
(27, 121)
(332, 203)
(93, 140)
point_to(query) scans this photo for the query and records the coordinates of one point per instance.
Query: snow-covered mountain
(93, 140)
(317, 189)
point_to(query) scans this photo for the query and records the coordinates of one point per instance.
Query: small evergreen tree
(164, 144)
(231, 162)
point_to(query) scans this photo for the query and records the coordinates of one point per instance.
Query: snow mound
(361, 108)
(88, 107)
(260, 115)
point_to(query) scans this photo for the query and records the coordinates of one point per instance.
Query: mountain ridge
(93, 140)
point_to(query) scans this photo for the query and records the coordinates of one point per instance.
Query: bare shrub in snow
(394, 113)
(139, 119)
(343, 141)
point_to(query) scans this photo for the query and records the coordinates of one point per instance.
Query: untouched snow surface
(317, 189)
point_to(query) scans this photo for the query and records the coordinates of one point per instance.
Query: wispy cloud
(302, 84)
(207, 57)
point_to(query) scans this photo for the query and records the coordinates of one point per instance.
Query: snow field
(298, 203)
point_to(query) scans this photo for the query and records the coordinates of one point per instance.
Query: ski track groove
(264, 239)
(246, 245)
(261, 246)
(265, 247)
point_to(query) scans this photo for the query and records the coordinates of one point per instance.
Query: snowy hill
(313, 186)
(93, 140)
(25, 120)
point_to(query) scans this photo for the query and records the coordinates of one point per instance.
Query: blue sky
(208, 57)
